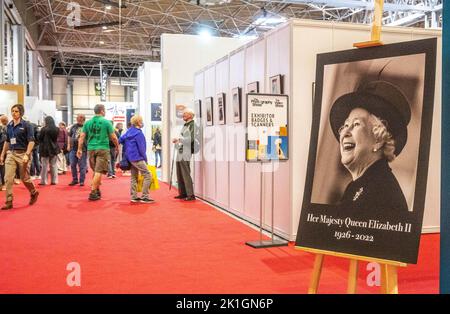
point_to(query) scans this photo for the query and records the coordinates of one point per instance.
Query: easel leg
(389, 279)
(314, 284)
(352, 277)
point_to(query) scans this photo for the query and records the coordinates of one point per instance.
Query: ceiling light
(101, 42)
(205, 33)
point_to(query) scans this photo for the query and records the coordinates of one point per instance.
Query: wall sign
(103, 82)
(267, 127)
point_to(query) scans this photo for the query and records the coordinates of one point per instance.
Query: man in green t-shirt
(97, 133)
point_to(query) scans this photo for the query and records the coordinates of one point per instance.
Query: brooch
(358, 194)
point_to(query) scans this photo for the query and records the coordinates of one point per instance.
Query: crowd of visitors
(30, 151)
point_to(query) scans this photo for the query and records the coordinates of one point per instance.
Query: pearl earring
(375, 150)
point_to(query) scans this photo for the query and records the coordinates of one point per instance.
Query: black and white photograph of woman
(369, 135)
(369, 151)
(370, 126)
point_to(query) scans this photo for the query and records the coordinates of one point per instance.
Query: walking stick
(171, 168)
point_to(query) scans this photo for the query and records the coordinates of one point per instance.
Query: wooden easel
(389, 278)
(376, 27)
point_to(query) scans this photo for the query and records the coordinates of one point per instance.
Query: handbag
(155, 183)
(124, 164)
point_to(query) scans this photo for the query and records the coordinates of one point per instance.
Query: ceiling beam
(95, 50)
(368, 5)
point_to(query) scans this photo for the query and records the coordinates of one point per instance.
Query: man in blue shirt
(18, 148)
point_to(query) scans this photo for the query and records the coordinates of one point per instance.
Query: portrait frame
(236, 99)
(156, 112)
(253, 87)
(209, 102)
(276, 84)
(364, 234)
(198, 107)
(221, 108)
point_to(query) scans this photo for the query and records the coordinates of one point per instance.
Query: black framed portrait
(253, 87)
(221, 108)
(276, 84)
(370, 143)
(236, 99)
(209, 111)
(198, 108)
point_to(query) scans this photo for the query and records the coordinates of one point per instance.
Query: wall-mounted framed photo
(156, 111)
(209, 111)
(198, 108)
(236, 98)
(221, 108)
(276, 84)
(253, 87)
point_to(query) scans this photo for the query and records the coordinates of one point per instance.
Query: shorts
(99, 160)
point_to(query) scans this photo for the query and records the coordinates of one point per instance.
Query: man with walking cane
(186, 145)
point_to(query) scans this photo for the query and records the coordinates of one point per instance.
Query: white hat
(190, 111)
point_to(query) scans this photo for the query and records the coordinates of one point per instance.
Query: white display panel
(255, 70)
(198, 158)
(236, 137)
(279, 56)
(209, 139)
(222, 176)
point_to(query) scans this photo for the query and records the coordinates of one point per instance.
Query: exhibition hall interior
(222, 147)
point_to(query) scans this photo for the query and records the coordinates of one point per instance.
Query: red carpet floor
(166, 247)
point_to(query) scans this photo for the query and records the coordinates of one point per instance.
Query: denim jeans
(112, 162)
(158, 154)
(35, 164)
(78, 163)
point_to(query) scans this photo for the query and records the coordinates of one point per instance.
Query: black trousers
(185, 185)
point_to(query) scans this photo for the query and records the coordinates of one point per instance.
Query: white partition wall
(236, 136)
(222, 175)
(255, 71)
(199, 177)
(181, 56)
(278, 52)
(291, 51)
(149, 91)
(209, 137)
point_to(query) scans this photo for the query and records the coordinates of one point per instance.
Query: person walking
(17, 150)
(134, 144)
(3, 135)
(78, 166)
(62, 143)
(49, 150)
(157, 147)
(185, 145)
(97, 133)
(35, 161)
